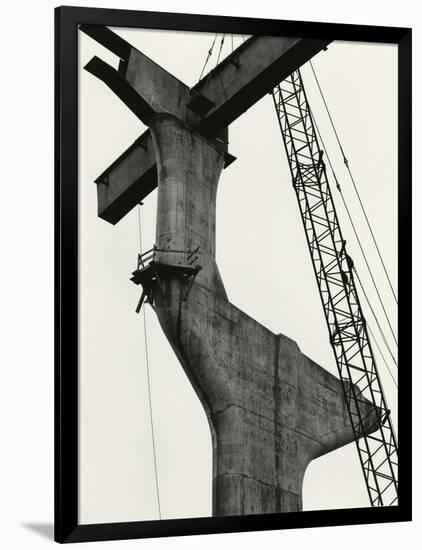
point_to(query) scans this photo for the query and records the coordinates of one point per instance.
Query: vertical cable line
(375, 317)
(208, 56)
(219, 51)
(366, 262)
(149, 384)
(216, 65)
(382, 355)
(346, 162)
(356, 235)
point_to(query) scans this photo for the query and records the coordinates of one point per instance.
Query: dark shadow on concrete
(46, 530)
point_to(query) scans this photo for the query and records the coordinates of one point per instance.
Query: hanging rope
(346, 162)
(219, 51)
(354, 228)
(149, 383)
(139, 229)
(208, 56)
(218, 60)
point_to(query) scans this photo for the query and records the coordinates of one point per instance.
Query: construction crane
(334, 272)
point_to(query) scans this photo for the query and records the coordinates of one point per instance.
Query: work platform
(151, 271)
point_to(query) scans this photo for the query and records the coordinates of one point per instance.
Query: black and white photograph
(238, 302)
(211, 275)
(236, 306)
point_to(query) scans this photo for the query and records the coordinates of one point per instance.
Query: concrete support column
(189, 168)
(271, 410)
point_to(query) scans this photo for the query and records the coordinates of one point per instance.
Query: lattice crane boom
(334, 272)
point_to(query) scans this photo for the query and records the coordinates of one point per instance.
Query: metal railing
(188, 257)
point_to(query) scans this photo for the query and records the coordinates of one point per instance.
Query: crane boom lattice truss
(333, 268)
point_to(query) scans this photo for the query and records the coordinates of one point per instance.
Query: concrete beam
(249, 73)
(163, 92)
(122, 88)
(144, 86)
(131, 178)
(239, 81)
(127, 181)
(108, 39)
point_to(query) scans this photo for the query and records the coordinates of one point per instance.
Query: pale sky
(264, 262)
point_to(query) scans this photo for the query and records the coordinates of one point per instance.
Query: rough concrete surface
(270, 408)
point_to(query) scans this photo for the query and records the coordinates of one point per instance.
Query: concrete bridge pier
(271, 409)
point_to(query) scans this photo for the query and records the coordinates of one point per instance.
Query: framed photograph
(233, 274)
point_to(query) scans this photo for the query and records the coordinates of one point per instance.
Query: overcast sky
(263, 259)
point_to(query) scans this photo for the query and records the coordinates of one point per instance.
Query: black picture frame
(67, 20)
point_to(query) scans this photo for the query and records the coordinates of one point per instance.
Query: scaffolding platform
(149, 271)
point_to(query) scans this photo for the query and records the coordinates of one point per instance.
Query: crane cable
(374, 315)
(209, 54)
(216, 65)
(346, 162)
(149, 384)
(382, 355)
(354, 230)
(366, 262)
(221, 47)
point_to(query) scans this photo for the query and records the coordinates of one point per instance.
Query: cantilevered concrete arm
(239, 81)
(144, 86)
(249, 73)
(122, 88)
(127, 181)
(131, 178)
(108, 39)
